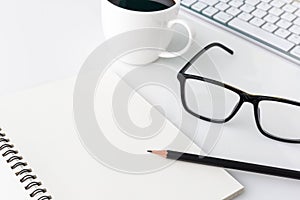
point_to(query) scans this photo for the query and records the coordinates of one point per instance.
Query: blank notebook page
(41, 124)
(11, 189)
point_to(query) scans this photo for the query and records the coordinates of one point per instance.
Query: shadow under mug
(117, 20)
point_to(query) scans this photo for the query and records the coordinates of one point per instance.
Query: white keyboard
(274, 24)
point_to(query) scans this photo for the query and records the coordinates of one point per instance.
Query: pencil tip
(161, 153)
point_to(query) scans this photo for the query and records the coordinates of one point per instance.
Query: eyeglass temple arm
(215, 44)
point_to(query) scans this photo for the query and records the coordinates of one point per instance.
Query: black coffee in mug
(144, 5)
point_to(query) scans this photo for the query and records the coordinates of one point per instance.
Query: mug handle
(171, 23)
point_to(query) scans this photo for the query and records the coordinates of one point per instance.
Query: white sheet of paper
(11, 189)
(40, 122)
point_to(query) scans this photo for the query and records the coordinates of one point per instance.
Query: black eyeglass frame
(244, 96)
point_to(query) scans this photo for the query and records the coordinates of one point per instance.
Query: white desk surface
(42, 41)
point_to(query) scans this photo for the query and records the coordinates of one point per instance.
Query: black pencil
(228, 164)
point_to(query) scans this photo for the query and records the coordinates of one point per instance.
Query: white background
(43, 40)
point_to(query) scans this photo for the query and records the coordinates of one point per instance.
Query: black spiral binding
(24, 174)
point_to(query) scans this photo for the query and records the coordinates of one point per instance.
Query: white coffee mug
(117, 20)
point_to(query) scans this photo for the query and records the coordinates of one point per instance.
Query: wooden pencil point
(161, 153)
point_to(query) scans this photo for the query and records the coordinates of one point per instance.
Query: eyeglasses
(217, 102)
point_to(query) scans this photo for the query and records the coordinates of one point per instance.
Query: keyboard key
(222, 6)
(233, 11)
(199, 6)
(259, 13)
(266, 1)
(288, 1)
(296, 51)
(284, 24)
(210, 11)
(277, 3)
(294, 38)
(257, 21)
(271, 18)
(264, 6)
(288, 16)
(223, 17)
(275, 11)
(297, 21)
(247, 8)
(225, 1)
(270, 27)
(245, 16)
(296, 3)
(282, 33)
(253, 2)
(295, 29)
(289, 8)
(297, 13)
(188, 3)
(236, 3)
(261, 34)
(210, 2)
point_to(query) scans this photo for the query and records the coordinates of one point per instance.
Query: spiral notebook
(41, 149)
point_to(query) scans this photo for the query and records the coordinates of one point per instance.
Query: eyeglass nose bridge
(249, 98)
